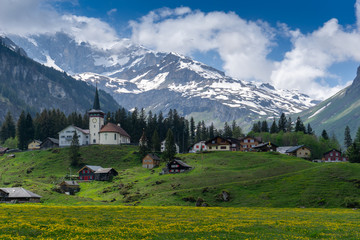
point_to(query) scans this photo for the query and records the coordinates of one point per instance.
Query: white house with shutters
(66, 136)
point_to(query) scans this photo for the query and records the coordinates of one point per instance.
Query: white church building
(98, 133)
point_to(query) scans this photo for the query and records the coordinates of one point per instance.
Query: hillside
(337, 111)
(30, 86)
(252, 179)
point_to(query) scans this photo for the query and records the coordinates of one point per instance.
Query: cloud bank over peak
(39, 17)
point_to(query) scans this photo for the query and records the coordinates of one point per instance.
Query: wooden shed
(88, 172)
(105, 174)
(70, 187)
(49, 143)
(18, 194)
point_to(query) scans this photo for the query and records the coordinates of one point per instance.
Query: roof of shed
(19, 192)
(111, 127)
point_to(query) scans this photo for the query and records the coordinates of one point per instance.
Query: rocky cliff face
(28, 85)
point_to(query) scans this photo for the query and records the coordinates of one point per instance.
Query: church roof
(96, 105)
(111, 127)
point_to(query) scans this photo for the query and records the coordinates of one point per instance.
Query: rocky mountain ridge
(137, 77)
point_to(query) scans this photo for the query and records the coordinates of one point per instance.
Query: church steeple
(96, 105)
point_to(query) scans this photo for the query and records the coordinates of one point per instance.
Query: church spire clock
(96, 120)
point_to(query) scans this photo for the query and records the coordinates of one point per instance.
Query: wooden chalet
(177, 166)
(248, 143)
(18, 194)
(218, 144)
(105, 174)
(235, 144)
(265, 147)
(70, 187)
(150, 161)
(300, 151)
(49, 143)
(88, 172)
(334, 156)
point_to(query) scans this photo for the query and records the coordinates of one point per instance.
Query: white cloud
(111, 11)
(312, 55)
(242, 45)
(38, 16)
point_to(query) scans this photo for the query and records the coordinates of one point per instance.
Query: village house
(66, 136)
(34, 145)
(18, 194)
(163, 147)
(150, 161)
(49, 143)
(105, 174)
(112, 134)
(69, 187)
(265, 147)
(300, 151)
(98, 173)
(88, 172)
(333, 156)
(248, 143)
(197, 147)
(235, 144)
(177, 166)
(218, 144)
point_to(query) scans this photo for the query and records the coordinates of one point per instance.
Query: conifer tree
(8, 128)
(353, 153)
(21, 132)
(170, 148)
(289, 126)
(227, 131)
(211, 131)
(309, 129)
(156, 145)
(192, 130)
(357, 137)
(347, 137)
(282, 123)
(264, 126)
(324, 135)
(30, 130)
(299, 126)
(274, 128)
(74, 150)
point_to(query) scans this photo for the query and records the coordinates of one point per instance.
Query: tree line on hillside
(185, 132)
(49, 123)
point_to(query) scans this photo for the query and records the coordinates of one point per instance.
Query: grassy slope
(253, 179)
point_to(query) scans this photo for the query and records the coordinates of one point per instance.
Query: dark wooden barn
(49, 143)
(105, 174)
(177, 166)
(70, 187)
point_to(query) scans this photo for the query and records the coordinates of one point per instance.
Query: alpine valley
(158, 81)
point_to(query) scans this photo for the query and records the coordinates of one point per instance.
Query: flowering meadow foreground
(113, 222)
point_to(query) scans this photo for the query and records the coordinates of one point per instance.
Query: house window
(244, 146)
(223, 147)
(114, 136)
(331, 154)
(336, 154)
(245, 141)
(105, 136)
(252, 140)
(197, 146)
(213, 141)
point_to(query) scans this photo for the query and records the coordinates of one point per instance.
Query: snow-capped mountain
(137, 77)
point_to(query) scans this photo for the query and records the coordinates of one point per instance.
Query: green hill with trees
(245, 179)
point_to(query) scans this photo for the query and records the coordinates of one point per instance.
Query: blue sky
(307, 45)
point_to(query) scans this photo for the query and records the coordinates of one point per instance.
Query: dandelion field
(117, 222)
